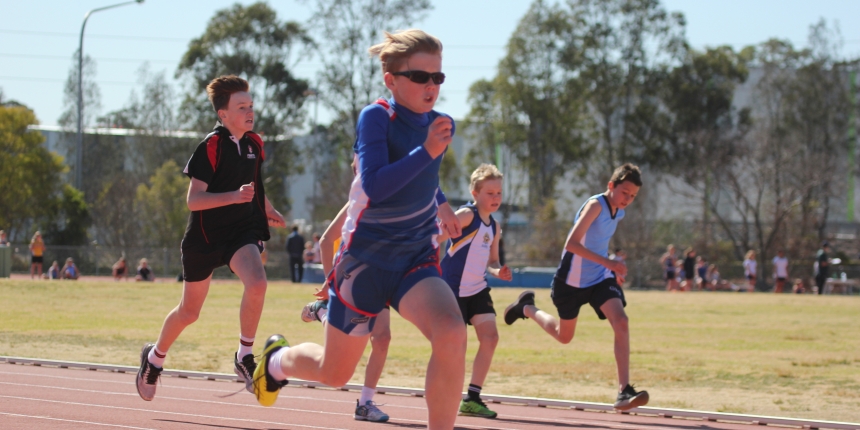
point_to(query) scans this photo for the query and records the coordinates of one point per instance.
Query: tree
(250, 41)
(349, 80)
(163, 202)
(92, 96)
(30, 176)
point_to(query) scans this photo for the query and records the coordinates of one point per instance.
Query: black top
(689, 266)
(295, 245)
(823, 264)
(225, 165)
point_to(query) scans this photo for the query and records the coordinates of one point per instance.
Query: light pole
(79, 150)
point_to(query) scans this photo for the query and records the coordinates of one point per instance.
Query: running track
(67, 398)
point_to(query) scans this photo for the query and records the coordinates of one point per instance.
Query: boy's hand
(450, 222)
(322, 293)
(439, 136)
(505, 273)
(276, 219)
(245, 193)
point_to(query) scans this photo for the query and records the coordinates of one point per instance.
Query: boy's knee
(565, 338)
(491, 339)
(380, 341)
(620, 323)
(187, 316)
(336, 378)
(450, 332)
(255, 287)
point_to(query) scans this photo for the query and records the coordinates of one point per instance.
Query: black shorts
(670, 275)
(200, 259)
(780, 279)
(477, 304)
(689, 276)
(35, 259)
(569, 299)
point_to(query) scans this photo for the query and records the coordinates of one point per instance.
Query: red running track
(33, 397)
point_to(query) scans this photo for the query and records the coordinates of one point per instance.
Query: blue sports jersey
(391, 219)
(579, 272)
(464, 267)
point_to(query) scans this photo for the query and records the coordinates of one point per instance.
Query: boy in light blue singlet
(389, 249)
(587, 275)
(470, 257)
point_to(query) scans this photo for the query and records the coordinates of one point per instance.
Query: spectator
(701, 273)
(823, 272)
(144, 273)
(308, 253)
(799, 287)
(780, 271)
(3, 240)
(668, 262)
(53, 271)
(295, 249)
(120, 269)
(317, 257)
(69, 270)
(750, 269)
(37, 248)
(689, 269)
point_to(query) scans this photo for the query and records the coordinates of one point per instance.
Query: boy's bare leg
(332, 364)
(248, 265)
(560, 329)
(431, 306)
(488, 338)
(614, 311)
(380, 337)
(184, 314)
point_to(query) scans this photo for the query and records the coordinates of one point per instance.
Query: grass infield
(764, 354)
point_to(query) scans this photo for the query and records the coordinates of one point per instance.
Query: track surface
(45, 397)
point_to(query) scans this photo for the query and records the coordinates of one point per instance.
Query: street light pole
(79, 150)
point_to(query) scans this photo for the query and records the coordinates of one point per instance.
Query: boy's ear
(388, 78)
(222, 114)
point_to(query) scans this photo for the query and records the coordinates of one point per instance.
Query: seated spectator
(53, 271)
(144, 273)
(799, 286)
(120, 269)
(3, 240)
(69, 270)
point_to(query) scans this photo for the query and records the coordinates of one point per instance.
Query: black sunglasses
(421, 77)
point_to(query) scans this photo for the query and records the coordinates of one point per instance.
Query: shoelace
(151, 374)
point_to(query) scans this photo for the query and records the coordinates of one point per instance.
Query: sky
(39, 37)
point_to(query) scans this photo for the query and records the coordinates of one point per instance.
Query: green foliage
(163, 202)
(30, 177)
(72, 218)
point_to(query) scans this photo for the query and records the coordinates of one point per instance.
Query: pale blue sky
(38, 38)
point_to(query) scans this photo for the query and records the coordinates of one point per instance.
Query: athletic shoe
(629, 398)
(369, 412)
(311, 311)
(267, 388)
(475, 408)
(515, 310)
(147, 375)
(245, 370)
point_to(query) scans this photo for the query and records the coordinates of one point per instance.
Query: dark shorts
(35, 259)
(751, 277)
(200, 259)
(569, 299)
(480, 303)
(780, 279)
(689, 276)
(670, 275)
(358, 292)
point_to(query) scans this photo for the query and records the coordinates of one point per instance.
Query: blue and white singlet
(579, 272)
(464, 267)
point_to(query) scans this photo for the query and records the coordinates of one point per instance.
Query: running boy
(229, 221)
(389, 238)
(586, 275)
(470, 257)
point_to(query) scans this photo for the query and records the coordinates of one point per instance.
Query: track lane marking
(75, 421)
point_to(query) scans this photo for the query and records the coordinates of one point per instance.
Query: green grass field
(785, 355)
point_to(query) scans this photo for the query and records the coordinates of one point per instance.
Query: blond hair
(750, 254)
(398, 47)
(483, 173)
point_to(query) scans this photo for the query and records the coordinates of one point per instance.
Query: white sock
(155, 359)
(367, 394)
(274, 364)
(246, 345)
(322, 313)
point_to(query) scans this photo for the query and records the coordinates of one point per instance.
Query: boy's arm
(199, 199)
(327, 241)
(501, 272)
(275, 218)
(573, 245)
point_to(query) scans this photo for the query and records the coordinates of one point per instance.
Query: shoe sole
(470, 414)
(143, 356)
(360, 418)
(514, 304)
(635, 402)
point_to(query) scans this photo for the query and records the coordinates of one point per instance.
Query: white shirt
(781, 265)
(749, 267)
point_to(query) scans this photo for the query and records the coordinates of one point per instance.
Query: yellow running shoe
(267, 388)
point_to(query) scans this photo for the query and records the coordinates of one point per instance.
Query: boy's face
(488, 197)
(238, 117)
(419, 98)
(621, 195)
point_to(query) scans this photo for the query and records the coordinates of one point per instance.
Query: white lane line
(74, 421)
(171, 413)
(220, 403)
